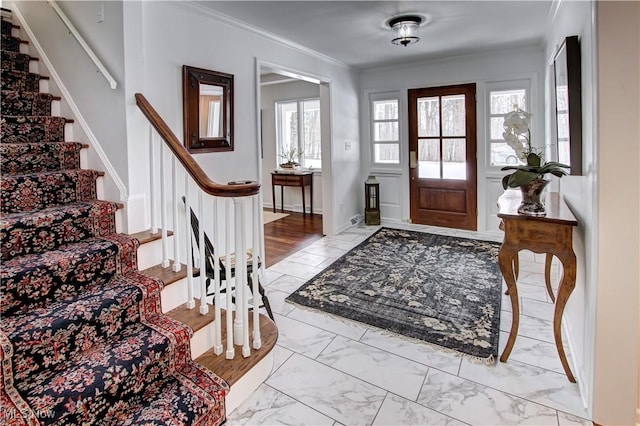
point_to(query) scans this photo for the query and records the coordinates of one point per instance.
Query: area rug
(440, 289)
(272, 217)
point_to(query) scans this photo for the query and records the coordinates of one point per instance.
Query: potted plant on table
(291, 156)
(529, 177)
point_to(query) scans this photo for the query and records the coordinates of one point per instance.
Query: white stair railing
(216, 228)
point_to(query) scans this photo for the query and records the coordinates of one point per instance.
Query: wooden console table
(294, 178)
(551, 234)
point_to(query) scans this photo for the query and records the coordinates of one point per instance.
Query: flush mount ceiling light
(405, 29)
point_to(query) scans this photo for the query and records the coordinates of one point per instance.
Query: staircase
(83, 339)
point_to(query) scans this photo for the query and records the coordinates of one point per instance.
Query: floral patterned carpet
(440, 289)
(83, 339)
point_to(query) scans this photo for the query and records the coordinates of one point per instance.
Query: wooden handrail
(232, 189)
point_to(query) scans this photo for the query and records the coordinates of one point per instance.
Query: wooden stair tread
(192, 317)
(147, 237)
(167, 275)
(232, 370)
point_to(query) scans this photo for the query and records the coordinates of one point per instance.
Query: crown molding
(261, 32)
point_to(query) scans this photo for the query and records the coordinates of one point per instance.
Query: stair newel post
(176, 240)
(217, 331)
(227, 267)
(152, 183)
(163, 210)
(187, 206)
(204, 308)
(255, 233)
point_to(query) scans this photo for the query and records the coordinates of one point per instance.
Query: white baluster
(227, 267)
(152, 183)
(217, 331)
(261, 235)
(238, 324)
(255, 233)
(163, 211)
(189, 247)
(241, 277)
(176, 241)
(204, 308)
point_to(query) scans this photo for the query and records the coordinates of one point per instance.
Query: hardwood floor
(290, 234)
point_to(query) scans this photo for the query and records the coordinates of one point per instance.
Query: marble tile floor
(333, 371)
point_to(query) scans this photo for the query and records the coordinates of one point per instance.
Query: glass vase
(533, 197)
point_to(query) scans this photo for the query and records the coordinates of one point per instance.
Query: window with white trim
(385, 129)
(504, 98)
(300, 137)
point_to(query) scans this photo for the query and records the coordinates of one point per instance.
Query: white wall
(270, 94)
(101, 107)
(176, 33)
(479, 68)
(615, 385)
(574, 18)
(602, 313)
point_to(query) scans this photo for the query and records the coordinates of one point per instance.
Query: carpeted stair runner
(83, 339)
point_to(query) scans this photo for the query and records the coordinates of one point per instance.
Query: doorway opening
(295, 147)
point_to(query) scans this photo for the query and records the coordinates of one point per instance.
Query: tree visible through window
(386, 132)
(300, 138)
(442, 125)
(502, 102)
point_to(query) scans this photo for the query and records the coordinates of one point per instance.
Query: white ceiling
(354, 32)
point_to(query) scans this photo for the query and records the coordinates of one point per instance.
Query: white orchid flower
(516, 126)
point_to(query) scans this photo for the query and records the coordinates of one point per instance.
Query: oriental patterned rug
(440, 289)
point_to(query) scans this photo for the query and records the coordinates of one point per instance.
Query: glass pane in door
(428, 117)
(453, 115)
(429, 158)
(454, 159)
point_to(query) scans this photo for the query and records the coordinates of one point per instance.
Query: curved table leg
(567, 285)
(547, 275)
(516, 269)
(506, 259)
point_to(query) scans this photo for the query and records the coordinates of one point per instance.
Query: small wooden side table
(551, 234)
(293, 178)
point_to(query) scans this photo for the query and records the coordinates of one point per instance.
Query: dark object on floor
(440, 289)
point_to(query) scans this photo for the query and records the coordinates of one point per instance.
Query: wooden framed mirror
(207, 104)
(568, 102)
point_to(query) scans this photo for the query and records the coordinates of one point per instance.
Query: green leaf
(521, 177)
(558, 173)
(533, 159)
(505, 181)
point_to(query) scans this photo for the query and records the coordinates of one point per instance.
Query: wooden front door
(442, 156)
